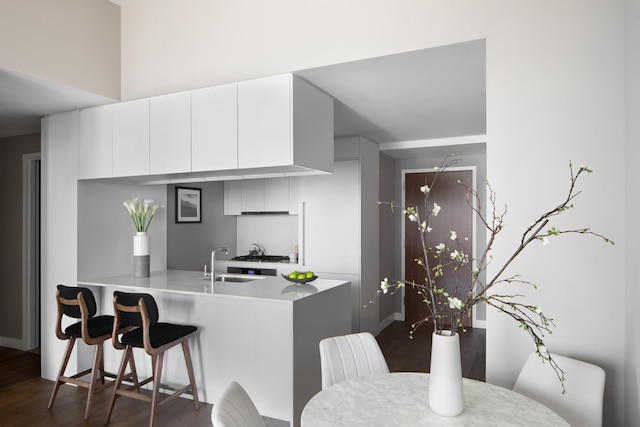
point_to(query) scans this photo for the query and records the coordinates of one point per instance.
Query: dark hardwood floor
(414, 355)
(24, 395)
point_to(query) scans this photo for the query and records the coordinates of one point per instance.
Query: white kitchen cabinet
(170, 134)
(284, 121)
(331, 218)
(293, 195)
(232, 198)
(339, 226)
(95, 143)
(276, 195)
(131, 138)
(252, 195)
(214, 128)
(260, 195)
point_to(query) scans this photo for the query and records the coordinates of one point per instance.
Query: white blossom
(436, 209)
(453, 235)
(440, 247)
(455, 303)
(425, 189)
(454, 254)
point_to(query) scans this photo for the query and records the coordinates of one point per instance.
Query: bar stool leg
(119, 377)
(157, 375)
(95, 372)
(192, 379)
(63, 367)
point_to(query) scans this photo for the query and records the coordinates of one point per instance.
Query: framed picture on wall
(188, 205)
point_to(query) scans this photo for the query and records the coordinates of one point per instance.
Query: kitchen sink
(237, 278)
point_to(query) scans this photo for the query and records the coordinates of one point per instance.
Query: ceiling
(427, 94)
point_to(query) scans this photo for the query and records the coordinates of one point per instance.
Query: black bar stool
(141, 311)
(79, 303)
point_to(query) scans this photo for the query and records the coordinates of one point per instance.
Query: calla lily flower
(139, 212)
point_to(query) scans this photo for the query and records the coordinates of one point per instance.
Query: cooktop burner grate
(261, 258)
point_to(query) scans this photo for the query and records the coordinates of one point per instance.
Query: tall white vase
(141, 261)
(445, 378)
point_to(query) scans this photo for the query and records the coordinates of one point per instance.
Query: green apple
(302, 276)
(309, 274)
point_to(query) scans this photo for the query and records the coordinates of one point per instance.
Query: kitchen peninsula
(263, 334)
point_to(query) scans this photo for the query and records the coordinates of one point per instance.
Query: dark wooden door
(455, 215)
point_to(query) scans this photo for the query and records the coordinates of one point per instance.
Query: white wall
(73, 42)
(555, 92)
(59, 234)
(632, 374)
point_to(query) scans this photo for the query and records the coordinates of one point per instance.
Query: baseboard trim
(13, 343)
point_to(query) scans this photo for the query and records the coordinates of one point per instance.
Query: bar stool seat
(159, 334)
(140, 311)
(79, 303)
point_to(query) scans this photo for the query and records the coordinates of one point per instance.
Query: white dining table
(401, 399)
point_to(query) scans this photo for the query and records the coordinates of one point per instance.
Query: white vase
(141, 267)
(445, 377)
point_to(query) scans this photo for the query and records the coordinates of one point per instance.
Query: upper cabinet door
(264, 122)
(170, 134)
(95, 149)
(276, 195)
(252, 195)
(131, 138)
(214, 128)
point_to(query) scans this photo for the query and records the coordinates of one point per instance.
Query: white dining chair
(581, 405)
(349, 356)
(235, 409)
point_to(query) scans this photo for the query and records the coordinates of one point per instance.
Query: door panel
(454, 215)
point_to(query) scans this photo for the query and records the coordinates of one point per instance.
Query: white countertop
(192, 282)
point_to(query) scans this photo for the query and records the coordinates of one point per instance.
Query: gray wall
(105, 230)
(189, 245)
(11, 151)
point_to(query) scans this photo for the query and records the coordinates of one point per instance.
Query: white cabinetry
(261, 196)
(265, 195)
(131, 138)
(233, 197)
(276, 195)
(278, 125)
(252, 195)
(214, 128)
(170, 134)
(331, 234)
(284, 121)
(339, 227)
(95, 143)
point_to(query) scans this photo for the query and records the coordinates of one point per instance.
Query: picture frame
(188, 205)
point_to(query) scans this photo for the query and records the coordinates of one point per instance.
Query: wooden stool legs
(96, 371)
(133, 391)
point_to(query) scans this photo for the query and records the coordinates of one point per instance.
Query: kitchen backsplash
(278, 234)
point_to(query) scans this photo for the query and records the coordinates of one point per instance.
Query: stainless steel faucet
(213, 262)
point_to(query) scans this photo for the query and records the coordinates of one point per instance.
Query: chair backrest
(235, 409)
(584, 382)
(134, 318)
(71, 293)
(349, 356)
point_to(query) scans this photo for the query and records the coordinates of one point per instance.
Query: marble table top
(401, 399)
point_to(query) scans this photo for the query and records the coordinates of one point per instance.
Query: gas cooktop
(261, 258)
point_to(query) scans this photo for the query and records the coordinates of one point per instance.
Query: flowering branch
(448, 310)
